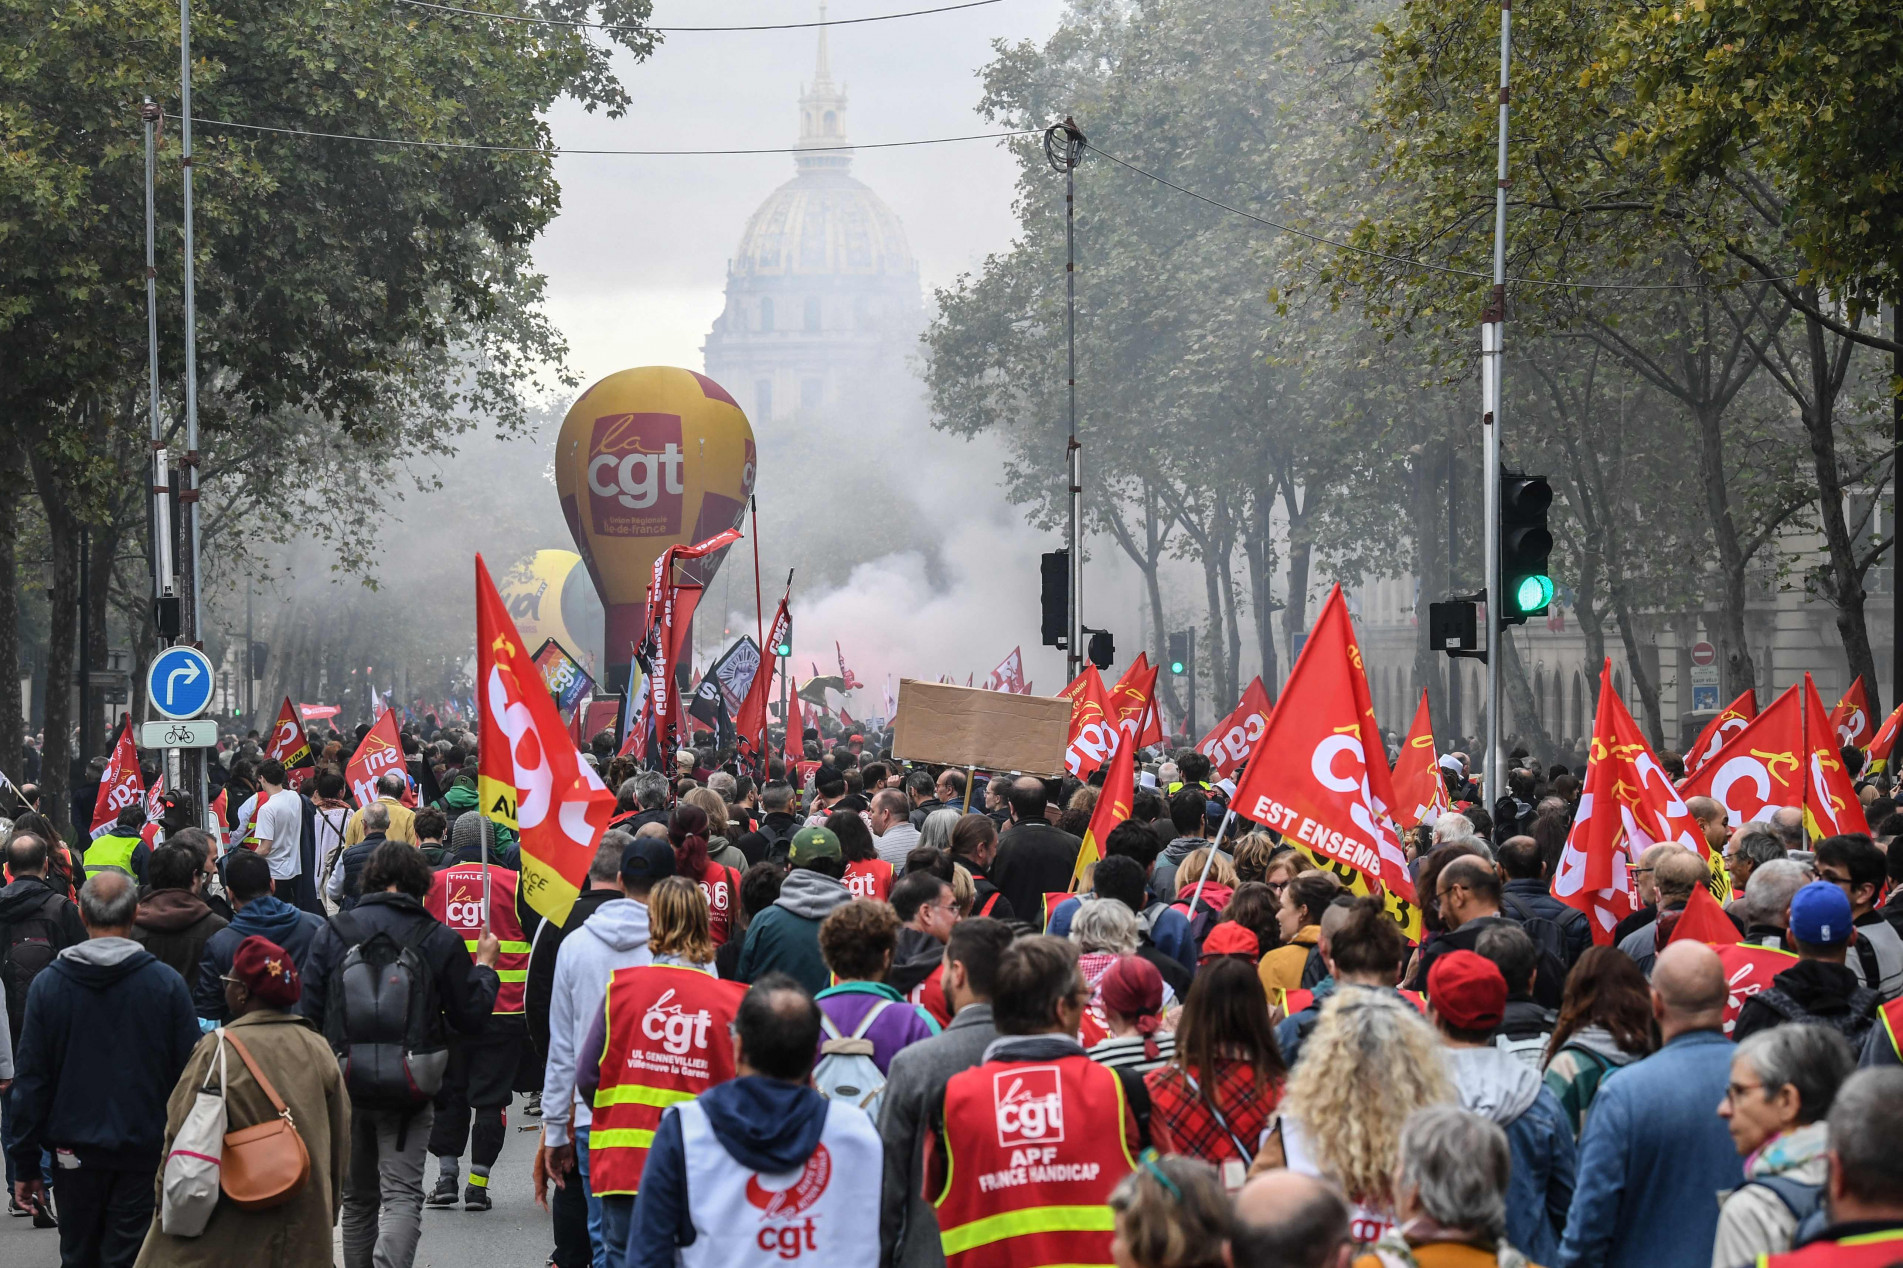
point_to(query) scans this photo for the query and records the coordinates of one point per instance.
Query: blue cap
(1820, 915)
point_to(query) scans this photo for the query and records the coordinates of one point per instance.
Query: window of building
(766, 313)
(812, 314)
(763, 400)
(812, 393)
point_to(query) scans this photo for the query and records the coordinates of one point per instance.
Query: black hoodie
(75, 1085)
(1826, 992)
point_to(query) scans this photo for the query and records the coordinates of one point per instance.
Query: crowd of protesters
(852, 1009)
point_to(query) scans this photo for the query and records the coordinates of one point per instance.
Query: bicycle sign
(202, 733)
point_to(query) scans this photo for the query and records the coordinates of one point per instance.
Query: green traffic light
(1533, 593)
(784, 649)
(1176, 666)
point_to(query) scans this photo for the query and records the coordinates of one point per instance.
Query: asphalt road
(515, 1234)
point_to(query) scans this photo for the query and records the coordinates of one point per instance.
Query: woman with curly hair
(1253, 854)
(1605, 1022)
(1170, 1213)
(1369, 1063)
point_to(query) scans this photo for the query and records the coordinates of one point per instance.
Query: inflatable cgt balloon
(646, 459)
(549, 596)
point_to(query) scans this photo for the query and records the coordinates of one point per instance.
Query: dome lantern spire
(823, 116)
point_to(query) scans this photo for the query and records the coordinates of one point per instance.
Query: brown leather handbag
(267, 1164)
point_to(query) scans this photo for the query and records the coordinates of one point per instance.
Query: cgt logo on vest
(463, 915)
(787, 1235)
(1030, 1105)
(677, 1031)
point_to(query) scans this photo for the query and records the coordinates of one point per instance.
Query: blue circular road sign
(179, 682)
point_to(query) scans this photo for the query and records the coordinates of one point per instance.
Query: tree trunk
(1232, 629)
(1734, 653)
(1430, 568)
(1520, 698)
(1258, 551)
(1301, 549)
(1146, 557)
(12, 711)
(62, 633)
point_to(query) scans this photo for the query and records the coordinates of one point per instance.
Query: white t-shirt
(281, 822)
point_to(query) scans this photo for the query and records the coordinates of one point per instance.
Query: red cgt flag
(1417, 780)
(530, 777)
(1113, 807)
(379, 753)
(1758, 769)
(1628, 805)
(1831, 805)
(1229, 743)
(1315, 781)
(1092, 735)
(1718, 732)
(1851, 718)
(122, 785)
(750, 722)
(1009, 675)
(1132, 704)
(1885, 744)
(290, 746)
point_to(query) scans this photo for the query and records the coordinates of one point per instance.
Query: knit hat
(471, 834)
(1230, 938)
(267, 971)
(813, 843)
(1820, 915)
(1467, 990)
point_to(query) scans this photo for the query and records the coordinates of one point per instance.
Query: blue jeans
(6, 1143)
(595, 1239)
(617, 1229)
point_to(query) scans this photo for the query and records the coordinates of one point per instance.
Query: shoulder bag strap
(217, 1067)
(826, 1025)
(872, 1015)
(1247, 1155)
(277, 1102)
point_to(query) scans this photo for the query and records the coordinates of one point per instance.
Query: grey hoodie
(102, 953)
(1492, 1083)
(615, 936)
(811, 895)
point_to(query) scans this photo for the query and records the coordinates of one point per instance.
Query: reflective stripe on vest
(455, 898)
(1029, 1164)
(667, 1041)
(110, 850)
(821, 1214)
(1891, 1014)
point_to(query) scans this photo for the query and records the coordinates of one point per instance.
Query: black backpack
(380, 1018)
(1854, 1023)
(779, 840)
(1548, 934)
(27, 946)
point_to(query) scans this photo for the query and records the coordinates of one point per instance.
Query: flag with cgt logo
(530, 776)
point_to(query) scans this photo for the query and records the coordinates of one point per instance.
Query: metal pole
(1065, 160)
(250, 660)
(163, 583)
(1896, 528)
(188, 497)
(1492, 341)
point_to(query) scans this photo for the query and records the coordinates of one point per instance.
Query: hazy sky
(637, 259)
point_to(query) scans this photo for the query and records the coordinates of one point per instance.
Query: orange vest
(667, 1042)
(455, 898)
(1295, 1001)
(1030, 1164)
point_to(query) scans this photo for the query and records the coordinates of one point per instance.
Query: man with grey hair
(1750, 847)
(372, 825)
(650, 790)
(76, 1091)
(1788, 823)
(1451, 1167)
(1675, 874)
(1864, 1194)
(1285, 1219)
(401, 824)
(1451, 826)
(1767, 901)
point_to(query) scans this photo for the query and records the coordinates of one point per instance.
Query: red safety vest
(1030, 1164)
(1891, 1018)
(1295, 1001)
(667, 1042)
(1862, 1250)
(455, 898)
(869, 878)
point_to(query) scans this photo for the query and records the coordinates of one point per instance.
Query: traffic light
(1055, 571)
(1526, 585)
(1179, 652)
(785, 646)
(260, 653)
(1102, 648)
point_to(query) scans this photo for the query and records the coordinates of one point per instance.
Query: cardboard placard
(967, 726)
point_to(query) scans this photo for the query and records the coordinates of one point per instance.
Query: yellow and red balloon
(649, 458)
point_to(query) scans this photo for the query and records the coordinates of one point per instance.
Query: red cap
(267, 971)
(1468, 990)
(1230, 938)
